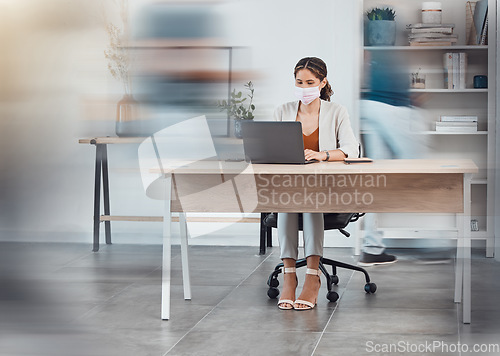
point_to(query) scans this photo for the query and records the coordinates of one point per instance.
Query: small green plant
(236, 106)
(381, 14)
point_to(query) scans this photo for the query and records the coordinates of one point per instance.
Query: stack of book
(426, 34)
(455, 70)
(457, 123)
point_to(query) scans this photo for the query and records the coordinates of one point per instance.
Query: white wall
(497, 172)
(56, 89)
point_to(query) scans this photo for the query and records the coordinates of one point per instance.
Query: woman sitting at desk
(327, 136)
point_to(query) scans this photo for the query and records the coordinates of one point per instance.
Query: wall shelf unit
(436, 100)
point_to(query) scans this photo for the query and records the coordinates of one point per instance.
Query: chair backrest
(187, 141)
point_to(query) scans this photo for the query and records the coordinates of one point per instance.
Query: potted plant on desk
(381, 27)
(237, 107)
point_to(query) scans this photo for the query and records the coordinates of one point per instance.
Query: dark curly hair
(318, 68)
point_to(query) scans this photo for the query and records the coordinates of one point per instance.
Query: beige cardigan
(335, 130)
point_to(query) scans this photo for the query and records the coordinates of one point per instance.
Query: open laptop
(273, 142)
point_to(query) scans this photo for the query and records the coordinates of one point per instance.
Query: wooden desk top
(376, 167)
(110, 140)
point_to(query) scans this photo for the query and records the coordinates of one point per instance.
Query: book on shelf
(445, 30)
(448, 70)
(455, 129)
(456, 123)
(480, 20)
(462, 68)
(434, 39)
(429, 25)
(458, 118)
(455, 70)
(484, 34)
(432, 43)
(431, 34)
(443, 36)
(456, 126)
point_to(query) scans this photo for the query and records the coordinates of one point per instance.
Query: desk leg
(186, 280)
(105, 190)
(167, 251)
(467, 250)
(97, 196)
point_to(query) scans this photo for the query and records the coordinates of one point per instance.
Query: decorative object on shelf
(480, 81)
(418, 80)
(118, 57)
(422, 34)
(237, 109)
(381, 27)
(470, 29)
(126, 115)
(431, 12)
(474, 226)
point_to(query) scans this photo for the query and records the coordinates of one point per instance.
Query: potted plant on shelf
(237, 107)
(417, 80)
(381, 27)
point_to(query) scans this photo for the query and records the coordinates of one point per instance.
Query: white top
(335, 130)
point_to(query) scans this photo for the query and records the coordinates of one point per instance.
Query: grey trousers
(288, 234)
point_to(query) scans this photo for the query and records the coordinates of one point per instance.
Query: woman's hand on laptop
(313, 155)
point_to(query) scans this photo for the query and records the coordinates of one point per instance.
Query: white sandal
(309, 305)
(287, 301)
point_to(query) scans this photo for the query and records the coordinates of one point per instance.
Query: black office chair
(332, 221)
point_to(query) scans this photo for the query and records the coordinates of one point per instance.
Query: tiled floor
(62, 299)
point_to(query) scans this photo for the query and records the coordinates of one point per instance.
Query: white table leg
(186, 281)
(167, 251)
(459, 263)
(467, 250)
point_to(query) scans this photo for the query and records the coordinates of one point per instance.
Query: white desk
(430, 186)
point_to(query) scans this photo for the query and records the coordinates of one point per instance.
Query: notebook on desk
(273, 142)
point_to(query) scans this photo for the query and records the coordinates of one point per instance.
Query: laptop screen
(273, 142)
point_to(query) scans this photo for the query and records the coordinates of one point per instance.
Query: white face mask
(307, 95)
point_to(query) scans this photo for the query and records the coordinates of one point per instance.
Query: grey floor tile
(105, 275)
(409, 298)
(148, 293)
(480, 344)
(412, 277)
(109, 303)
(482, 322)
(386, 344)
(249, 343)
(183, 316)
(393, 321)
(265, 318)
(485, 299)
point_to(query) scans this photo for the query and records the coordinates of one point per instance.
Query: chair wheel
(370, 288)
(274, 283)
(332, 296)
(335, 279)
(273, 292)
